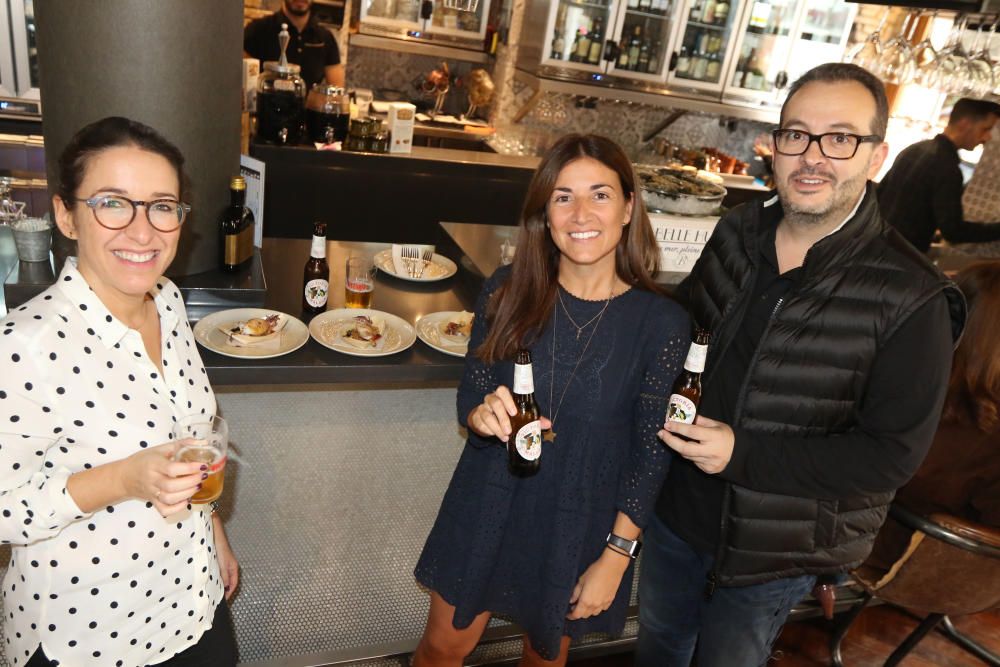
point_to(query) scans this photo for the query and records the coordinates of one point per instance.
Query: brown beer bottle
(316, 281)
(524, 448)
(686, 393)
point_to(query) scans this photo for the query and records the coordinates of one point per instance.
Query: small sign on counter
(681, 239)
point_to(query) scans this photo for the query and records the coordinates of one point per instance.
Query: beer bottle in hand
(316, 282)
(686, 393)
(525, 444)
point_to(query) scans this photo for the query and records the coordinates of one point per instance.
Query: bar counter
(313, 363)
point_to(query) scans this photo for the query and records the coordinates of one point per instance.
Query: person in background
(961, 474)
(813, 411)
(312, 46)
(922, 192)
(554, 551)
(110, 563)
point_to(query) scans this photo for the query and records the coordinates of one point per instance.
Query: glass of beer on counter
(207, 441)
(359, 282)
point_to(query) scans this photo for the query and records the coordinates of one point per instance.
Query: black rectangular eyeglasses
(834, 145)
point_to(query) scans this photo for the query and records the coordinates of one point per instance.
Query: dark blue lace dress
(517, 546)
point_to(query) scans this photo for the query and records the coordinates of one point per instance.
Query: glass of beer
(359, 282)
(207, 441)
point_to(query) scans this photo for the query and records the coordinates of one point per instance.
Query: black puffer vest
(808, 375)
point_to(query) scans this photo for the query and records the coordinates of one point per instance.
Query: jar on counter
(328, 111)
(367, 135)
(281, 94)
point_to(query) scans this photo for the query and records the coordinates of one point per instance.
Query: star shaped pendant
(550, 436)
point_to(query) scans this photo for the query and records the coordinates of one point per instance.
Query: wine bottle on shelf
(633, 4)
(558, 45)
(236, 227)
(583, 50)
(696, 9)
(722, 12)
(741, 70)
(622, 54)
(684, 62)
(699, 65)
(596, 42)
(576, 46)
(714, 67)
(643, 57)
(708, 12)
(654, 58)
(645, 5)
(634, 47)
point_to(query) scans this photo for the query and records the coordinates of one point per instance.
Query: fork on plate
(425, 259)
(409, 255)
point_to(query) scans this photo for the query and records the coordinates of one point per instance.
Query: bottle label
(528, 440)
(695, 361)
(316, 291)
(681, 409)
(524, 383)
(318, 247)
(239, 247)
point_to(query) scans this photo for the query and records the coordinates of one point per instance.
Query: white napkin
(398, 265)
(271, 340)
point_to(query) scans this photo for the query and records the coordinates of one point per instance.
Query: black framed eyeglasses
(834, 145)
(117, 212)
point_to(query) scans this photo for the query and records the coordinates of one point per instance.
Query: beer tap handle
(283, 39)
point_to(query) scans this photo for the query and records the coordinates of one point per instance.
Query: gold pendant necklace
(551, 435)
(580, 327)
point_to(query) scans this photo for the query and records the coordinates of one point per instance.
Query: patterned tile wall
(628, 122)
(981, 201)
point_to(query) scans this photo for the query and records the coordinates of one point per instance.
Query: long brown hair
(974, 386)
(520, 308)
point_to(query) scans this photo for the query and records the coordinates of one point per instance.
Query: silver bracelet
(215, 506)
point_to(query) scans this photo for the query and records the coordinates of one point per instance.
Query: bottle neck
(695, 361)
(318, 250)
(237, 197)
(524, 382)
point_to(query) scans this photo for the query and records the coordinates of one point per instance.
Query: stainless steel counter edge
(479, 158)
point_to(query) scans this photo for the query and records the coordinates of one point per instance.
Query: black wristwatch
(629, 547)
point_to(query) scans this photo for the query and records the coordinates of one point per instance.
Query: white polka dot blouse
(123, 585)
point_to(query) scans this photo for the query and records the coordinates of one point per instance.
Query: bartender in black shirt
(311, 46)
(923, 190)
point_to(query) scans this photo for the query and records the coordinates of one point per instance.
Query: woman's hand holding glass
(152, 475)
(491, 418)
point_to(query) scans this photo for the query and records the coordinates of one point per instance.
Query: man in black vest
(830, 352)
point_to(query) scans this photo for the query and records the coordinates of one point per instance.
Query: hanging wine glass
(978, 68)
(950, 68)
(867, 53)
(925, 58)
(896, 65)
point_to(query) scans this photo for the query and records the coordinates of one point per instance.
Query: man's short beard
(844, 198)
(294, 12)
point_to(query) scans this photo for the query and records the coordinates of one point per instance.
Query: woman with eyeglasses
(110, 563)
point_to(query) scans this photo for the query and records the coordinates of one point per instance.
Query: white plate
(325, 328)
(206, 332)
(429, 331)
(439, 268)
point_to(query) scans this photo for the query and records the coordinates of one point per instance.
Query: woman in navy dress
(606, 346)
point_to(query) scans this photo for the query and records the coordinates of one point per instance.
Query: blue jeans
(736, 627)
